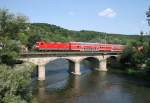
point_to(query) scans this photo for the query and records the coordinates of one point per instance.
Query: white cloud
(107, 13)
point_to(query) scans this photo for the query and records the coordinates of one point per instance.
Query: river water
(90, 87)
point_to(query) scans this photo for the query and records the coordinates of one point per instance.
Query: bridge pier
(103, 65)
(76, 68)
(41, 72)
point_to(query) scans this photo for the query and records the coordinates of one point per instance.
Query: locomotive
(77, 46)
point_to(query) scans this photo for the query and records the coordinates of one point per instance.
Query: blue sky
(113, 16)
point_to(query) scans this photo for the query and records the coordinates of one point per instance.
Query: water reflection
(68, 89)
(90, 87)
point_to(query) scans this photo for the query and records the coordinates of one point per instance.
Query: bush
(14, 82)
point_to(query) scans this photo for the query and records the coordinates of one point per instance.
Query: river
(90, 87)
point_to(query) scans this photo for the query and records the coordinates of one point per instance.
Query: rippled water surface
(90, 87)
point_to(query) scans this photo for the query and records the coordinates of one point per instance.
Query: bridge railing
(52, 54)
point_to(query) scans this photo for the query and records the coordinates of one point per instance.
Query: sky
(112, 16)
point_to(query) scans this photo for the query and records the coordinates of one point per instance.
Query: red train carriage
(52, 46)
(83, 46)
(117, 47)
(105, 47)
(77, 46)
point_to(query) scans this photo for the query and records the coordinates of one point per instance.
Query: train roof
(85, 43)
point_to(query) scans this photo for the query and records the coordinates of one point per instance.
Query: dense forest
(55, 33)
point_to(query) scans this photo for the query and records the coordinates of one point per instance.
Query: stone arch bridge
(99, 61)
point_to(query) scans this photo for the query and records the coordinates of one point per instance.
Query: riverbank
(133, 73)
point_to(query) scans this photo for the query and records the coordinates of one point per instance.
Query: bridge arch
(92, 62)
(59, 58)
(71, 62)
(112, 62)
(112, 57)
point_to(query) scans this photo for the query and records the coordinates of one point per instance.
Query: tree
(148, 46)
(12, 28)
(14, 82)
(148, 15)
(126, 57)
(10, 50)
(139, 51)
(32, 40)
(11, 24)
(134, 54)
(23, 38)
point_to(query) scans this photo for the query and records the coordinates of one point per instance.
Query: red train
(77, 46)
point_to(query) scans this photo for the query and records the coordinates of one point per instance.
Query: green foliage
(14, 82)
(12, 35)
(11, 24)
(32, 40)
(23, 38)
(148, 15)
(126, 57)
(10, 51)
(136, 53)
(131, 71)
